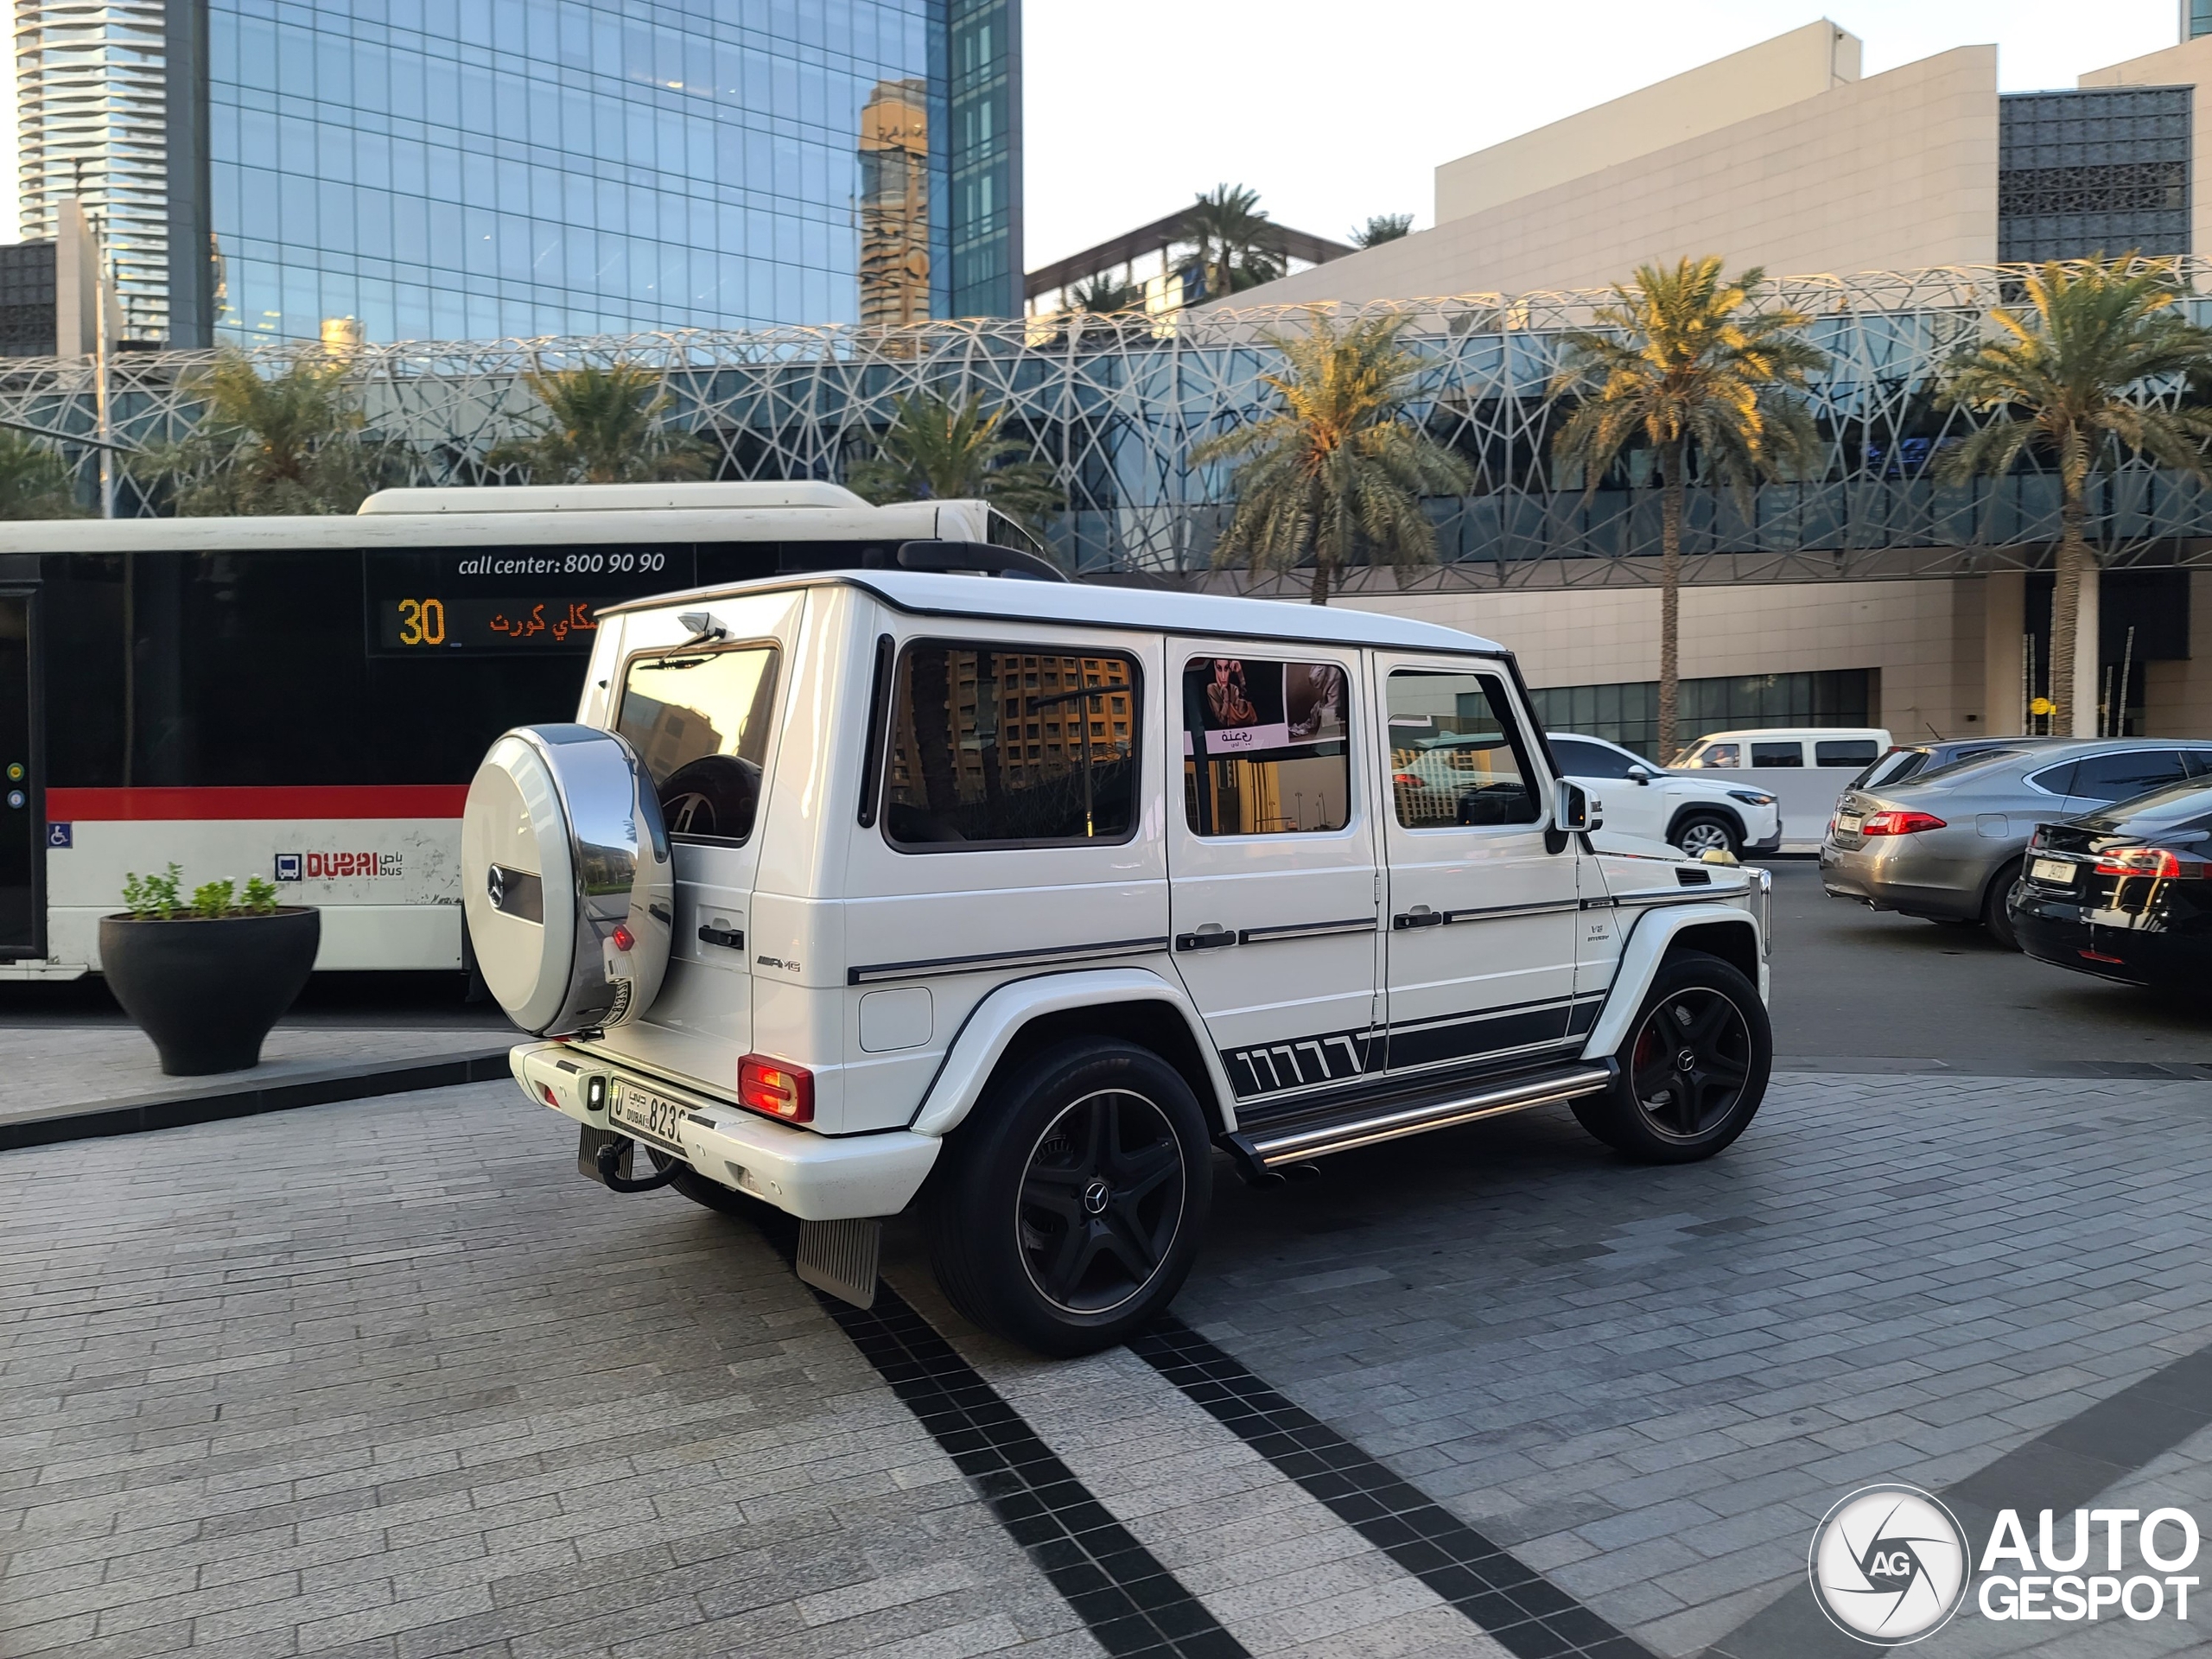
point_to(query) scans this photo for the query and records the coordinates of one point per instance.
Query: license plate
(647, 1116)
(2058, 872)
(1849, 823)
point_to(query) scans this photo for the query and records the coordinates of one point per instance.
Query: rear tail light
(1895, 823)
(2153, 861)
(780, 1091)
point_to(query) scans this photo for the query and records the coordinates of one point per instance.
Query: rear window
(1791, 753)
(2176, 803)
(1844, 750)
(998, 746)
(1966, 763)
(700, 721)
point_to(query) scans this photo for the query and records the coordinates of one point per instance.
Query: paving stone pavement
(1651, 1383)
(387, 1378)
(367, 1380)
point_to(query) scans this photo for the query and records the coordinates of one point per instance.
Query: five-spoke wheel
(1101, 1201)
(1064, 1213)
(1694, 1069)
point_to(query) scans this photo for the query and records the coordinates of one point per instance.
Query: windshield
(2171, 804)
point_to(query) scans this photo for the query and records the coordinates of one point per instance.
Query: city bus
(305, 699)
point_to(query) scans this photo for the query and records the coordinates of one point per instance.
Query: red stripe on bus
(319, 801)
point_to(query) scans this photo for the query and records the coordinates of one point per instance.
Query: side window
(1456, 757)
(996, 747)
(1583, 760)
(700, 721)
(2116, 777)
(1844, 752)
(1265, 748)
(1718, 755)
(2055, 780)
(1779, 755)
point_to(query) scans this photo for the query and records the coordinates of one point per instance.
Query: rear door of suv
(1271, 848)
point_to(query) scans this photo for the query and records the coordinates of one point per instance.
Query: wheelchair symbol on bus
(61, 835)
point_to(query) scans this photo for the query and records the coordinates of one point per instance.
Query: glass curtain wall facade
(2097, 170)
(479, 168)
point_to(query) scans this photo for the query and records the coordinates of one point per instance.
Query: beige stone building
(1786, 156)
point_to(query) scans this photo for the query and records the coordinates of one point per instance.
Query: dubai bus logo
(324, 867)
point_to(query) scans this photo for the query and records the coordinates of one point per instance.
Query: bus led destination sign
(431, 622)
(507, 600)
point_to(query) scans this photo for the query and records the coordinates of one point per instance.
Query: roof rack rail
(981, 558)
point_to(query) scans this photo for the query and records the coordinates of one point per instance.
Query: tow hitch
(604, 1157)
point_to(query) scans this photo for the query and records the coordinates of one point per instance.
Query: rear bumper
(814, 1177)
(2060, 933)
(1870, 875)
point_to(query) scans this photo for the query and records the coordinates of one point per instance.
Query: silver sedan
(1947, 844)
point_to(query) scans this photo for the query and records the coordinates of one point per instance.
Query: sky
(1333, 110)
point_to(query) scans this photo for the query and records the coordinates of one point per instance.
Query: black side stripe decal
(1518, 1607)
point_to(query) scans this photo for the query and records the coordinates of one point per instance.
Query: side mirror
(1571, 807)
(1642, 775)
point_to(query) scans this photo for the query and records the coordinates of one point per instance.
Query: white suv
(1020, 898)
(1698, 813)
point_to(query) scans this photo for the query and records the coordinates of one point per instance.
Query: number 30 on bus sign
(421, 622)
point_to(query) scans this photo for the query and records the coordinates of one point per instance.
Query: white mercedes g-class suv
(1019, 898)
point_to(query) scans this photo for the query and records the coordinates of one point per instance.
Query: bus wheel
(1065, 1213)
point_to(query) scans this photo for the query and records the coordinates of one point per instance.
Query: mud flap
(840, 1257)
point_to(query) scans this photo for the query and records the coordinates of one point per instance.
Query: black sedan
(2122, 892)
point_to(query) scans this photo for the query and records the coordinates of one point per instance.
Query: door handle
(1419, 916)
(729, 937)
(1211, 936)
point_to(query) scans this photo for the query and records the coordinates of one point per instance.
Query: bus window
(700, 721)
(1001, 531)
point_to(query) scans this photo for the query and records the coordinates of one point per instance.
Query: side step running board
(1388, 1119)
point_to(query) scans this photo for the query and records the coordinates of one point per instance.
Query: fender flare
(1641, 955)
(997, 1019)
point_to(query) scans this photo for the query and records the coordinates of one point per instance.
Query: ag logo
(1889, 1564)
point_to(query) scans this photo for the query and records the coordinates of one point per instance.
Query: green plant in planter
(155, 898)
(151, 898)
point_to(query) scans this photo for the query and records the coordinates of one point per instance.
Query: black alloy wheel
(1100, 1202)
(1689, 1062)
(1064, 1212)
(1694, 1069)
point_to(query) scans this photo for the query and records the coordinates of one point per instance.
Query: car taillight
(1895, 823)
(2153, 861)
(780, 1091)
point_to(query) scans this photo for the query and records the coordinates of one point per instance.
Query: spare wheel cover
(564, 858)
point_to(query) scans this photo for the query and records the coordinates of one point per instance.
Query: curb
(315, 1088)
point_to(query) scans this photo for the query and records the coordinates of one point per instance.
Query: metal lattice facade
(2094, 170)
(1117, 404)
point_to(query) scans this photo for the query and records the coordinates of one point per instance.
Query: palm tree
(1685, 362)
(1382, 227)
(290, 442)
(938, 450)
(1233, 239)
(1337, 467)
(606, 427)
(1102, 293)
(2064, 377)
(35, 482)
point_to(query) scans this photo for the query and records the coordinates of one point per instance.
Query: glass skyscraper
(428, 169)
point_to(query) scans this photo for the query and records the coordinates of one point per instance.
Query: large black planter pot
(207, 992)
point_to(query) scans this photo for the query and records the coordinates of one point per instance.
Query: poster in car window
(1252, 710)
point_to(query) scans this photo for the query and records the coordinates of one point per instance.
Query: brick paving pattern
(387, 1379)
